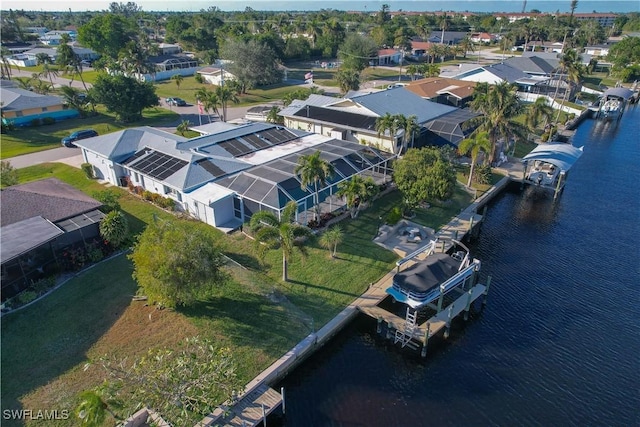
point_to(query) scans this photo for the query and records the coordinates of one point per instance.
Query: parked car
(86, 63)
(179, 102)
(68, 141)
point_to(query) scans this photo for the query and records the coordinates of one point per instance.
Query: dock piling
(423, 353)
(284, 408)
(264, 416)
(466, 309)
(389, 326)
(448, 325)
(379, 327)
(486, 291)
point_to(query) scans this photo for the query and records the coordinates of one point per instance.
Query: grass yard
(30, 139)
(45, 346)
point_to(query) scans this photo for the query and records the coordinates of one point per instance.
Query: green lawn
(32, 139)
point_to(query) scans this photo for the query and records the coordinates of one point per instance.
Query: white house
(215, 75)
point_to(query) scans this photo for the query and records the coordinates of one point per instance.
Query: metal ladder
(404, 337)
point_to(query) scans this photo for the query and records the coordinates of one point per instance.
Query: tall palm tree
(273, 232)
(73, 99)
(388, 123)
(356, 191)
(499, 105)
(5, 68)
(473, 146)
(467, 46)
(571, 67)
(312, 169)
(47, 72)
(225, 94)
(444, 26)
(409, 125)
(539, 110)
(209, 101)
(412, 70)
(331, 238)
(178, 79)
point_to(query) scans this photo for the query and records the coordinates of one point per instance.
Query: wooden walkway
(247, 412)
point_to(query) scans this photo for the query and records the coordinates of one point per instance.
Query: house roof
(22, 236)
(420, 45)
(388, 52)
(550, 57)
(49, 198)
(15, 99)
(402, 101)
(502, 71)
(171, 58)
(334, 116)
(449, 36)
(531, 64)
(431, 87)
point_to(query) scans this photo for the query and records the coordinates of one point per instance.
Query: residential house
(167, 66)
(17, 47)
(449, 37)
(420, 48)
(354, 119)
(443, 90)
(169, 48)
(215, 75)
(29, 57)
(54, 38)
(39, 220)
(21, 107)
(222, 178)
(387, 57)
(597, 50)
(482, 37)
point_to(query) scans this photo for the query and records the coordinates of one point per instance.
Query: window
(18, 113)
(44, 109)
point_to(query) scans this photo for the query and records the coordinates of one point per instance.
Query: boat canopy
(560, 154)
(620, 92)
(425, 275)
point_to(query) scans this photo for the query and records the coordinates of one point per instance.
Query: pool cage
(274, 184)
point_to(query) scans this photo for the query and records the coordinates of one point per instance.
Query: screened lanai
(272, 185)
(452, 127)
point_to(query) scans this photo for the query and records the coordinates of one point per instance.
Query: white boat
(613, 103)
(434, 277)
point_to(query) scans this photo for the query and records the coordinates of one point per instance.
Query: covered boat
(432, 278)
(547, 165)
(613, 103)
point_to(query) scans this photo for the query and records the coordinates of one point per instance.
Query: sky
(618, 6)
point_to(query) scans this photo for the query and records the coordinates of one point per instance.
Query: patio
(404, 237)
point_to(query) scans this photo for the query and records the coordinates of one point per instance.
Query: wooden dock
(248, 411)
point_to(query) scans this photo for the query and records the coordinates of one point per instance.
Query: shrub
(147, 195)
(138, 190)
(394, 216)
(482, 174)
(36, 122)
(48, 121)
(94, 254)
(87, 168)
(26, 297)
(167, 203)
(156, 198)
(198, 77)
(43, 285)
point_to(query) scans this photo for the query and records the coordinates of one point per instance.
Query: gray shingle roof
(531, 65)
(15, 99)
(50, 198)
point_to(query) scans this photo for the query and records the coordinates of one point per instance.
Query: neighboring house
(456, 93)
(215, 75)
(39, 220)
(258, 113)
(29, 57)
(354, 119)
(387, 57)
(17, 47)
(167, 66)
(597, 50)
(420, 48)
(482, 38)
(21, 107)
(492, 74)
(224, 177)
(168, 48)
(54, 38)
(533, 65)
(450, 37)
(38, 31)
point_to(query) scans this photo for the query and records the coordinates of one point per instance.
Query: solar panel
(256, 141)
(135, 157)
(210, 167)
(158, 165)
(235, 147)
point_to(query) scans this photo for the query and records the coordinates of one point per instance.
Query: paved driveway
(70, 156)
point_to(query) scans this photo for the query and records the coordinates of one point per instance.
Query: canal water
(558, 343)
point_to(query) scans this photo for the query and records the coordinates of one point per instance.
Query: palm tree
(331, 238)
(499, 105)
(274, 117)
(73, 99)
(24, 83)
(410, 126)
(271, 232)
(92, 409)
(225, 94)
(183, 127)
(312, 169)
(178, 79)
(47, 71)
(412, 70)
(570, 65)
(348, 79)
(467, 46)
(480, 142)
(389, 123)
(356, 191)
(5, 68)
(444, 25)
(209, 101)
(540, 109)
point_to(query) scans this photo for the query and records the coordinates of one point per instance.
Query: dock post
(486, 291)
(379, 327)
(427, 333)
(471, 224)
(559, 186)
(440, 302)
(455, 235)
(448, 326)
(284, 407)
(389, 330)
(466, 309)
(484, 212)
(264, 416)
(443, 246)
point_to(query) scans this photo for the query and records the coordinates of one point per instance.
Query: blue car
(68, 141)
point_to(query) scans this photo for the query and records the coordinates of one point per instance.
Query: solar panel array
(245, 144)
(210, 167)
(158, 165)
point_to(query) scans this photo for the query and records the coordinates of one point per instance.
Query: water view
(557, 344)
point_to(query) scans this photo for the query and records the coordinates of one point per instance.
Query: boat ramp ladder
(405, 336)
